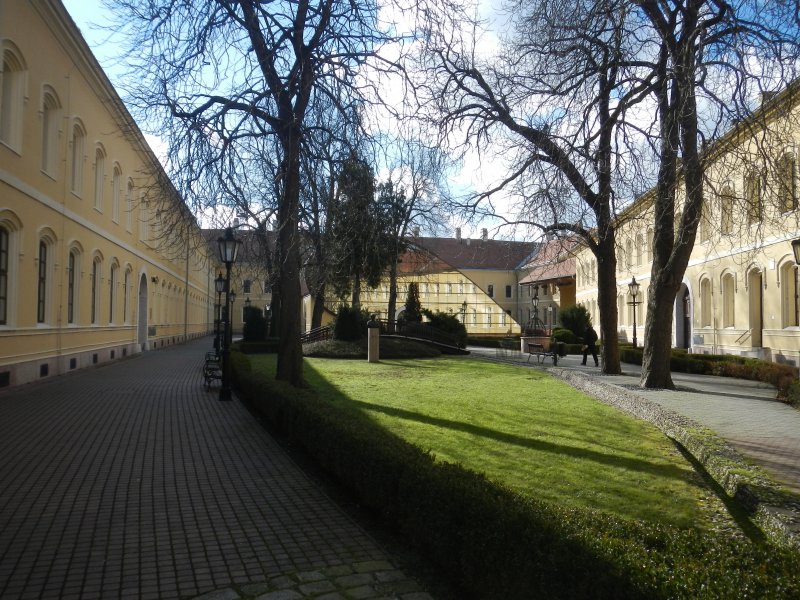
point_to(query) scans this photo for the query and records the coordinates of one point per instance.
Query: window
(488, 317)
(639, 249)
(4, 245)
(787, 182)
(95, 289)
(704, 227)
(752, 194)
(12, 95)
(51, 115)
(144, 230)
(125, 291)
(726, 201)
(112, 292)
(72, 266)
(728, 300)
(99, 178)
(705, 303)
(246, 285)
(41, 292)
(508, 291)
(491, 291)
(128, 206)
(789, 292)
(629, 254)
(648, 241)
(78, 150)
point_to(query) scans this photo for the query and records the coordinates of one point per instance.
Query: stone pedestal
(373, 344)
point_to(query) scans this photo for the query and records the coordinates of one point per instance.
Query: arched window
(126, 287)
(12, 95)
(112, 291)
(51, 117)
(648, 242)
(78, 150)
(726, 202)
(704, 226)
(629, 254)
(705, 303)
(639, 250)
(787, 182)
(42, 281)
(96, 271)
(728, 301)
(5, 244)
(752, 195)
(73, 270)
(789, 291)
(99, 177)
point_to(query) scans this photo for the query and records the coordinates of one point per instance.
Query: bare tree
(223, 73)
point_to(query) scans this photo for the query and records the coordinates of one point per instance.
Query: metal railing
(317, 334)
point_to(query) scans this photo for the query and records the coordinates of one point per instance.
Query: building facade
(739, 294)
(99, 257)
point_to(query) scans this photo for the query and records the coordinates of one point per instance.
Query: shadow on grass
(632, 464)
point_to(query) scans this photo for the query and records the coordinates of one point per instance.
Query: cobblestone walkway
(132, 481)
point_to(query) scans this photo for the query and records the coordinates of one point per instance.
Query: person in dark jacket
(589, 341)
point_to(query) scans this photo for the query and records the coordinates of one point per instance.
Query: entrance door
(143, 313)
(756, 307)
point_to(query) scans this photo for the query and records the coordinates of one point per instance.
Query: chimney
(458, 233)
(416, 231)
(484, 234)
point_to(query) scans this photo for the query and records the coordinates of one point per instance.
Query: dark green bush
(575, 318)
(495, 544)
(350, 325)
(255, 326)
(448, 324)
(267, 346)
(565, 335)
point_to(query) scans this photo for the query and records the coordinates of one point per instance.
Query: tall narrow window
(41, 300)
(125, 288)
(99, 177)
(247, 284)
(726, 202)
(789, 295)
(508, 291)
(71, 287)
(12, 93)
(51, 114)
(4, 242)
(78, 150)
(490, 290)
(639, 250)
(95, 289)
(112, 292)
(629, 254)
(752, 193)
(787, 181)
(705, 303)
(129, 209)
(728, 301)
(704, 227)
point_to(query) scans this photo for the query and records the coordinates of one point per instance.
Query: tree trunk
(319, 307)
(290, 352)
(357, 290)
(607, 303)
(658, 335)
(392, 293)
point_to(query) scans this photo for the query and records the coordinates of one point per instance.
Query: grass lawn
(522, 428)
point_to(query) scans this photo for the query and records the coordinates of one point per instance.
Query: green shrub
(448, 324)
(267, 346)
(350, 325)
(255, 326)
(413, 308)
(496, 544)
(575, 318)
(565, 335)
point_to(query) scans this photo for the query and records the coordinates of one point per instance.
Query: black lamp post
(633, 288)
(219, 287)
(464, 313)
(228, 247)
(796, 250)
(535, 302)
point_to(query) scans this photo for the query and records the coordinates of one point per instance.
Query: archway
(142, 338)
(756, 288)
(683, 318)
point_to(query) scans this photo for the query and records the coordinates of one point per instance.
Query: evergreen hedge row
(493, 543)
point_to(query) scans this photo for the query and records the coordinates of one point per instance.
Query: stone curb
(776, 512)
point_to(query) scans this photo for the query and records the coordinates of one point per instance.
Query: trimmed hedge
(494, 543)
(723, 365)
(268, 346)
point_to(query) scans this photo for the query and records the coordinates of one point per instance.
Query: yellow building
(740, 291)
(99, 258)
(475, 280)
(547, 285)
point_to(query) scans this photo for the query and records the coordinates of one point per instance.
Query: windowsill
(78, 195)
(13, 149)
(48, 175)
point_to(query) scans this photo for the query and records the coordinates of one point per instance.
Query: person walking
(589, 341)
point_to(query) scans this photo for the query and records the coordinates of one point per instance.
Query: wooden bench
(212, 368)
(542, 354)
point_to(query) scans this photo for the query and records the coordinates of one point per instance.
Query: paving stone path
(132, 481)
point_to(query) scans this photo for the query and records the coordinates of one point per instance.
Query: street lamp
(796, 250)
(219, 287)
(535, 304)
(633, 288)
(464, 312)
(228, 247)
